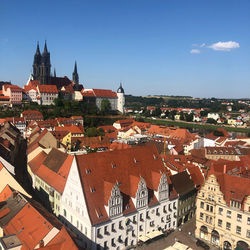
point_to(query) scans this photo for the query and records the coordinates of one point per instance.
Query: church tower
(75, 76)
(121, 99)
(45, 66)
(36, 63)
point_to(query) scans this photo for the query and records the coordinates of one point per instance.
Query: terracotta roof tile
(123, 167)
(30, 225)
(48, 89)
(6, 193)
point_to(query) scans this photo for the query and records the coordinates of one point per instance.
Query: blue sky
(199, 48)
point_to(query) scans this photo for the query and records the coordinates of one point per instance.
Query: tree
(105, 106)
(218, 133)
(211, 121)
(189, 117)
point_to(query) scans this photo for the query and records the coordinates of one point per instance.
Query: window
(248, 233)
(220, 210)
(207, 208)
(248, 221)
(202, 204)
(207, 219)
(211, 209)
(105, 244)
(219, 223)
(239, 217)
(113, 227)
(229, 214)
(141, 217)
(238, 230)
(141, 228)
(201, 216)
(228, 226)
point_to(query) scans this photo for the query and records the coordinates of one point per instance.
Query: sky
(198, 48)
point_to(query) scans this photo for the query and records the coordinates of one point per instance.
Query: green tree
(211, 121)
(105, 106)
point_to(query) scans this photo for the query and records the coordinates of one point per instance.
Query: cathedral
(43, 88)
(42, 71)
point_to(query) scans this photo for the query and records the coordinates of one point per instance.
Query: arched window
(64, 213)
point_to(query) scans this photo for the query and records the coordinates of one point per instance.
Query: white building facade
(115, 214)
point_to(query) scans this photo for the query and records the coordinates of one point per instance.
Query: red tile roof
(13, 88)
(6, 193)
(57, 179)
(107, 128)
(30, 226)
(99, 171)
(62, 241)
(99, 93)
(73, 129)
(48, 89)
(32, 115)
(234, 188)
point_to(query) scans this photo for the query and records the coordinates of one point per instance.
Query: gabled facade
(223, 211)
(47, 94)
(114, 199)
(14, 92)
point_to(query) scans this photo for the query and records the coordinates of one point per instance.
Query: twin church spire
(42, 67)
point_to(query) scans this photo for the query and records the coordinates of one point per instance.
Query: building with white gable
(96, 96)
(118, 198)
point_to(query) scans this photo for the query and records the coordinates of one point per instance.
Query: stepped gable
(233, 187)
(125, 167)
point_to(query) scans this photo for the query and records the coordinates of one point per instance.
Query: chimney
(225, 169)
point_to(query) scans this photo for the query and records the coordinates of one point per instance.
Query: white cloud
(224, 46)
(195, 51)
(202, 45)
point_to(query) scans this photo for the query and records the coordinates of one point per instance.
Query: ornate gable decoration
(115, 202)
(163, 188)
(142, 194)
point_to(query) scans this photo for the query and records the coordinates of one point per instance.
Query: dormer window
(88, 171)
(113, 165)
(135, 161)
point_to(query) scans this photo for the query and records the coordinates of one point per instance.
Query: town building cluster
(43, 88)
(135, 183)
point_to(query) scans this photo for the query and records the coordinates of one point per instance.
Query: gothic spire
(75, 76)
(38, 49)
(75, 69)
(45, 48)
(54, 72)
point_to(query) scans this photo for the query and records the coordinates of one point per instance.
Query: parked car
(201, 243)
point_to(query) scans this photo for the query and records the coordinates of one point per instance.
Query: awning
(143, 238)
(154, 234)
(178, 246)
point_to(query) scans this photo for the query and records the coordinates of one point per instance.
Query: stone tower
(45, 66)
(37, 63)
(121, 99)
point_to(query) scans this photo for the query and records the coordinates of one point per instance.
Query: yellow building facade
(223, 219)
